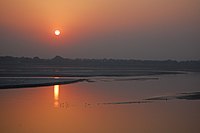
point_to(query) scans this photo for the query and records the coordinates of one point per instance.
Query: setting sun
(57, 32)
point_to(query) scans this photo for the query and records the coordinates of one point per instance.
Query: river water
(105, 105)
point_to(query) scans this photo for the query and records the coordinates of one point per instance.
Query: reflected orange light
(56, 95)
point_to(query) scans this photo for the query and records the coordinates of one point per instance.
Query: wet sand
(22, 82)
(34, 82)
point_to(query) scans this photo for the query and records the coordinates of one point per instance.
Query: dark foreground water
(155, 104)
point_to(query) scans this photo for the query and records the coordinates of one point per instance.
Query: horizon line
(76, 58)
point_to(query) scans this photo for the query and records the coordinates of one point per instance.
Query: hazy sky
(138, 29)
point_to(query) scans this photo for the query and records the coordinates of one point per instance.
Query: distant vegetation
(8, 61)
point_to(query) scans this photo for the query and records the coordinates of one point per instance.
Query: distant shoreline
(9, 63)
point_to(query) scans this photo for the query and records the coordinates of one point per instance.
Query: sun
(57, 32)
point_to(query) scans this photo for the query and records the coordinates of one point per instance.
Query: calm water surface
(79, 108)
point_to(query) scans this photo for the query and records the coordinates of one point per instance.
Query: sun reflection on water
(56, 95)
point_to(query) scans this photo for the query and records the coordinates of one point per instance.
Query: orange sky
(82, 19)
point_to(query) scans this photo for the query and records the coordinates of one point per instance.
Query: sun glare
(57, 32)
